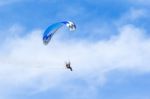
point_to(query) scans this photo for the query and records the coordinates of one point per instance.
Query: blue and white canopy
(51, 30)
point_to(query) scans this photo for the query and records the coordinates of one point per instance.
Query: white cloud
(26, 63)
(132, 16)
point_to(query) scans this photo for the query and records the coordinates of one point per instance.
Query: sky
(109, 51)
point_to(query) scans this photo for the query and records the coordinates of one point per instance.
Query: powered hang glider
(52, 29)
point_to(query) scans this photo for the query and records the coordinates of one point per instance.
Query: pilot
(68, 66)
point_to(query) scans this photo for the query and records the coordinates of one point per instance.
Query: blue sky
(109, 50)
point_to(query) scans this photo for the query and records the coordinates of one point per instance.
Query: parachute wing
(51, 30)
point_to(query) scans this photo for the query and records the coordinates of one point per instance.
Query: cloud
(133, 16)
(29, 68)
(28, 65)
